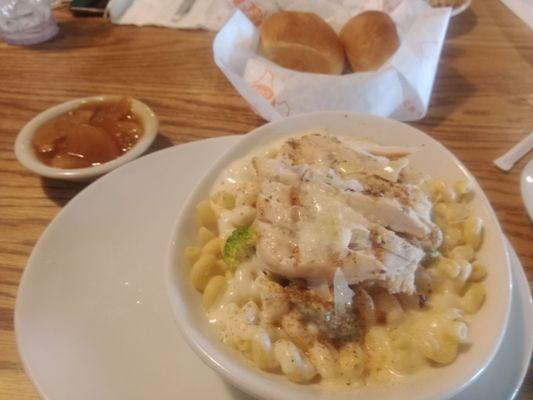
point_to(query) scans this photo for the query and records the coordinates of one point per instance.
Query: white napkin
(522, 8)
(203, 14)
(400, 89)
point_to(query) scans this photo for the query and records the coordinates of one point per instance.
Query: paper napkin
(522, 8)
(202, 14)
(400, 89)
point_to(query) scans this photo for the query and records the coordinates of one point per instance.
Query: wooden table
(481, 105)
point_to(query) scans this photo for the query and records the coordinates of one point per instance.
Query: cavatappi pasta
(336, 330)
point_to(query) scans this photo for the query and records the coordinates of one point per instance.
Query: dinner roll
(301, 41)
(369, 40)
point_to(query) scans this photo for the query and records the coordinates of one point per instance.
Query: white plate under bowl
(487, 326)
(92, 319)
(526, 188)
(462, 8)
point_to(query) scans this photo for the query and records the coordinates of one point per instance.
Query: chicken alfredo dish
(327, 259)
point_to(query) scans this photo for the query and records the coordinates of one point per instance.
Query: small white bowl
(463, 7)
(487, 327)
(26, 156)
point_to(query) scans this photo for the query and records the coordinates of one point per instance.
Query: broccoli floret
(432, 254)
(239, 246)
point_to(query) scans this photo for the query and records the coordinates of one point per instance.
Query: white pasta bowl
(26, 156)
(437, 383)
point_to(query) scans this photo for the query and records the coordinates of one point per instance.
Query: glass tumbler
(26, 22)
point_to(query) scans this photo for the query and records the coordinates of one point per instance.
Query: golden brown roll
(369, 39)
(301, 41)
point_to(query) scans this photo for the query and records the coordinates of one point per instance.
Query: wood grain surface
(481, 105)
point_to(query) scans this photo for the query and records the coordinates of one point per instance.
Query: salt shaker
(26, 22)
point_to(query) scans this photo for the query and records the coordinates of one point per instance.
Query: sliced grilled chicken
(318, 150)
(274, 204)
(314, 217)
(276, 169)
(391, 152)
(390, 213)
